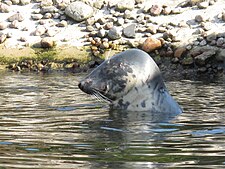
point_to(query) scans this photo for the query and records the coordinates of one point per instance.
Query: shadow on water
(47, 122)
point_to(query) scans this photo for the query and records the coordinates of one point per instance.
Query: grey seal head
(130, 81)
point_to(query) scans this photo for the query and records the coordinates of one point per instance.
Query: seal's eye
(103, 87)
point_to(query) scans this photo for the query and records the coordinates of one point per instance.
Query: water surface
(47, 122)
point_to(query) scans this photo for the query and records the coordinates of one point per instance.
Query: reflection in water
(47, 122)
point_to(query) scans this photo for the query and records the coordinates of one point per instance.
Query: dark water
(46, 122)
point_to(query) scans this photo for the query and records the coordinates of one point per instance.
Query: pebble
(4, 8)
(47, 42)
(179, 52)
(203, 5)
(24, 2)
(62, 23)
(3, 25)
(40, 30)
(220, 42)
(114, 33)
(15, 2)
(125, 4)
(17, 17)
(14, 24)
(129, 31)
(150, 44)
(102, 33)
(36, 16)
(155, 10)
(2, 37)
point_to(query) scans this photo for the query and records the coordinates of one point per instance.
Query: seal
(130, 81)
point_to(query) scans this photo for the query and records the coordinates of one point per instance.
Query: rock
(61, 2)
(62, 23)
(201, 55)
(51, 32)
(46, 3)
(125, 4)
(204, 57)
(2, 37)
(40, 30)
(223, 16)
(14, 24)
(4, 8)
(99, 4)
(23, 39)
(212, 36)
(203, 42)
(108, 25)
(167, 10)
(150, 44)
(90, 21)
(102, 21)
(3, 25)
(104, 45)
(47, 16)
(220, 56)
(114, 33)
(15, 2)
(220, 42)
(79, 11)
(200, 18)
(129, 31)
(177, 10)
(203, 5)
(24, 2)
(155, 10)
(152, 29)
(8, 2)
(187, 61)
(139, 1)
(101, 33)
(47, 42)
(36, 16)
(48, 9)
(120, 21)
(17, 17)
(179, 52)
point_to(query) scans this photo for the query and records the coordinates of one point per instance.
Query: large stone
(114, 33)
(79, 11)
(203, 58)
(201, 55)
(150, 44)
(125, 4)
(129, 31)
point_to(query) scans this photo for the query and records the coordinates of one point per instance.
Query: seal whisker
(100, 95)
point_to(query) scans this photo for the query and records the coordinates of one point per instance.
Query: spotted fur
(132, 81)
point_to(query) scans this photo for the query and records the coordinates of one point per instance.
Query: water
(47, 122)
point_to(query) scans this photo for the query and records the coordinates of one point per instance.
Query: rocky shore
(182, 36)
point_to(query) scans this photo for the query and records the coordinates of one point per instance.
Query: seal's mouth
(100, 92)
